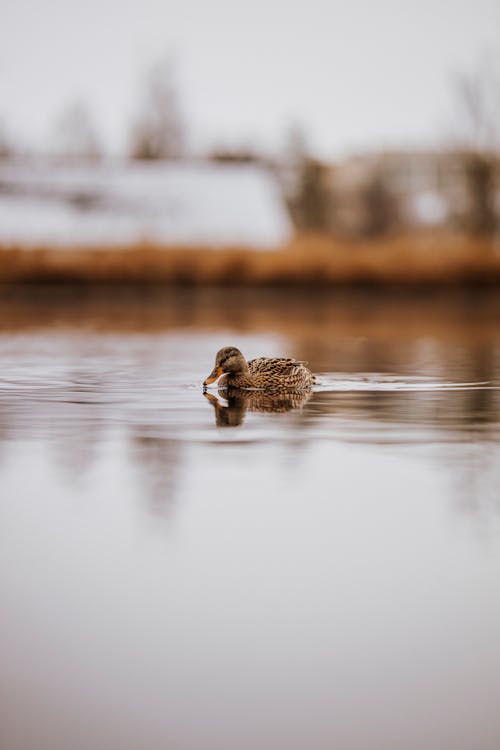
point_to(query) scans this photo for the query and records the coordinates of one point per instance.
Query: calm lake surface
(180, 573)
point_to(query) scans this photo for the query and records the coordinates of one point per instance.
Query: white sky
(356, 73)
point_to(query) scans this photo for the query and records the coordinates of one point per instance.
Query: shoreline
(308, 261)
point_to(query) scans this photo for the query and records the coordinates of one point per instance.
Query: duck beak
(216, 373)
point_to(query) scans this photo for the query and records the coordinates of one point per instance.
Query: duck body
(263, 373)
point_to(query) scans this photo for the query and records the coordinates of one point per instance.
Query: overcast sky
(356, 73)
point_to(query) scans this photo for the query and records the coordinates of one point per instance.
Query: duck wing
(265, 365)
(280, 372)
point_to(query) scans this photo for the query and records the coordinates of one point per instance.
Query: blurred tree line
(315, 202)
(318, 201)
(319, 196)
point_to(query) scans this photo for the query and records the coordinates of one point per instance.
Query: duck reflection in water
(240, 401)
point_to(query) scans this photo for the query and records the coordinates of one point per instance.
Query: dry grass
(308, 260)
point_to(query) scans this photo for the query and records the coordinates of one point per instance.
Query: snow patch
(108, 204)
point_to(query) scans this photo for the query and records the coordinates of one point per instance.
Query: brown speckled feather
(273, 373)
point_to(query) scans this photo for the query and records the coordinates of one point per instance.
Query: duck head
(228, 359)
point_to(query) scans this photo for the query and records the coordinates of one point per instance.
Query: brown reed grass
(308, 260)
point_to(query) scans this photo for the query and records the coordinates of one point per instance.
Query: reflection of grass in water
(322, 318)
(308, 260)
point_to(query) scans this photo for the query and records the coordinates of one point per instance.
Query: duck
(263, 373)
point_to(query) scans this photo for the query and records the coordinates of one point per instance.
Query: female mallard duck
(264, 373)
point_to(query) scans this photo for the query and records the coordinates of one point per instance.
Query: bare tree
(305, 183)
(6, 148)
(75, 135)
(296, 148)
(378, 206)
(312, 206)
(158, 131)
(478, 98)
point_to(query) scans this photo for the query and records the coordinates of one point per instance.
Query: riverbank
(308, 260)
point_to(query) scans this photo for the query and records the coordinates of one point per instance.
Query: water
(181, 572)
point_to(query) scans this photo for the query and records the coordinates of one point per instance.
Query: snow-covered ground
(109, 204)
